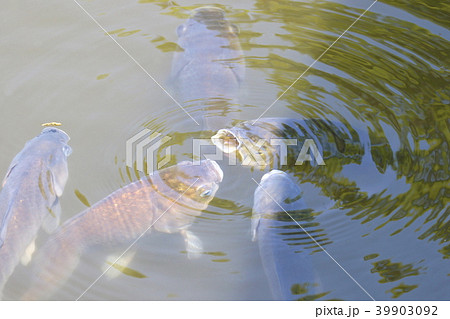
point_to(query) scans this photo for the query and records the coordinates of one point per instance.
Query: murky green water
(384, 219)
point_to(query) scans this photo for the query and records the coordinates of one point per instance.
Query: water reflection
(390, 271)
(386, 77)
(380, 79)
(401, 289)
(381, 76)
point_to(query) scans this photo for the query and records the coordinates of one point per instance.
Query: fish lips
(227, 141)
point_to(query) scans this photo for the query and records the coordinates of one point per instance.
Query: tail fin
(52, 266)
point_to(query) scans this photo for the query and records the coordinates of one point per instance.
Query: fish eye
(67, 150)
(206, 193)
(180, 30)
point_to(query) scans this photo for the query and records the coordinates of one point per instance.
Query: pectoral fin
(59, 171)
(26, 258)
(194, 245)
(255, 224)
(118, 267)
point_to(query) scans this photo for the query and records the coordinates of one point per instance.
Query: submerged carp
(289, 270)
(274, 142)
(207, 73)
(167, 201)
(30, 197)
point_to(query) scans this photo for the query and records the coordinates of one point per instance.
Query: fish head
(49, 148)
(207, 21)
(207, 14)
(277, 189)
(276, 194)
(250, 148)
(55, 133)
(193, 184)
(227, 140)
(208, 44)
(57, 151)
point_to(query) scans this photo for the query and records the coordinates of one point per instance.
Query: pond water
(385, 220)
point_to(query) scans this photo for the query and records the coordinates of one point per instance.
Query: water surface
(384, 219)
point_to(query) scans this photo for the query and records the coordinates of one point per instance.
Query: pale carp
(288, 266)
(167, 201)
(275, 142)
(30, 196)
(208, 70)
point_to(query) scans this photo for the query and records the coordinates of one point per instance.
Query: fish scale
(28, 196)
(123, 217)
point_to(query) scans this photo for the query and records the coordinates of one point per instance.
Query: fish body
(288, 266)
(166, 201)
(209, 69)
(30, 196)
(275, 142)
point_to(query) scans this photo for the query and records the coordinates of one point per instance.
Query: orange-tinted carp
(167, 201)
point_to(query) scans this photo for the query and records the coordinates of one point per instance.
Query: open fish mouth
(226, 141)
